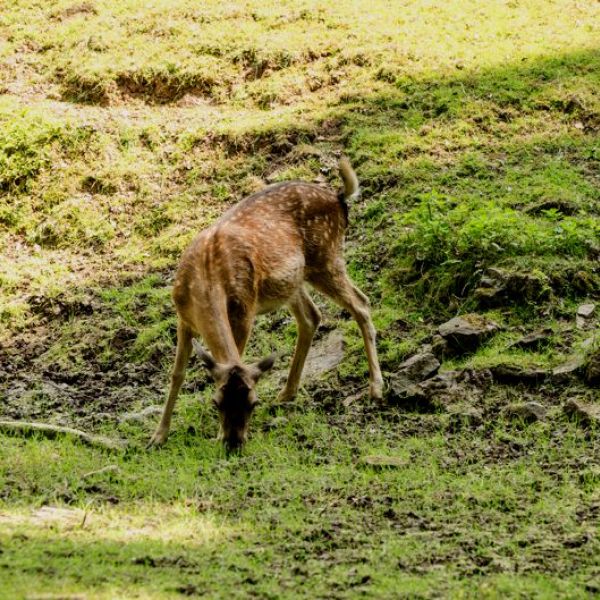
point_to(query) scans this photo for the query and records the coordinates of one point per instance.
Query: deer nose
(233, 445)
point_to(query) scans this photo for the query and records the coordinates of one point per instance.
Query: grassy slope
(127, 128)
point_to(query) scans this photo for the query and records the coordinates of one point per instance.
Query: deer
(257, 257)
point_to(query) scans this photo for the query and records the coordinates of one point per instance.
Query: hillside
(126, 127)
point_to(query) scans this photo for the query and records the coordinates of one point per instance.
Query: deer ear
(262, 366)
(209, 362)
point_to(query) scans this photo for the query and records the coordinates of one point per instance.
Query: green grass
(299, 513)
(126, 127)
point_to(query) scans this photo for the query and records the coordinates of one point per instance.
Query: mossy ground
(127, 127)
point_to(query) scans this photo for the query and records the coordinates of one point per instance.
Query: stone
(466, 333)
(403, 392)
(526, 411)
(419, 367)
(499, 287)
(591, 369)
(490, 296)
(587, 414)
(588, 343)
(402, 388)
(534, 340)
(560, 205)
(439, 346)
(568, 370)
(586, 310)
(440, 391)
(513, 374)
(324, 355)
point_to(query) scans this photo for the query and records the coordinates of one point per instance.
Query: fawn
(255, 258)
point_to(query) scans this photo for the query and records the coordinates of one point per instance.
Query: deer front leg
(241, 325)
(307, 317)
(184, 349)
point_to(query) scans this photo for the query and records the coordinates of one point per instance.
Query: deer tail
(351, 187)
(351, 191)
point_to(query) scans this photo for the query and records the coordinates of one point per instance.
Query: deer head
(235, 396)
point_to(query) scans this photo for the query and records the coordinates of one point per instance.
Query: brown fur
(255, 258)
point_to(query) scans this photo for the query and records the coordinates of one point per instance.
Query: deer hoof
(376, 391)
(158, 439)
(284, 396)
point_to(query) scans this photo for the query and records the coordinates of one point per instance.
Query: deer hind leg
(307, 317)
(184, 350)
(336, 284)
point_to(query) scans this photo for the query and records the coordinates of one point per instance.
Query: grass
(298, 513)
(126, 127)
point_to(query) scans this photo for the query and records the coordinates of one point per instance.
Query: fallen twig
(52, 431)
(106, 469)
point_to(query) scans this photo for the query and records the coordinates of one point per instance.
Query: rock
(402, 387)
(512, 374)
(439, 346)
(568, 370)
(534, 340)
(490, 296)
(440, 391)
(466, 333)
(588, 343)
(403, 392)
(381, 461)
(526, 411)
(566, 207)
(324, 355)
(586, 310)
(419, 367)
(479, 379)
(499, 287)
(591, 369)
(583, 281)
(587, 414)
(466, 386)
(584, 315)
